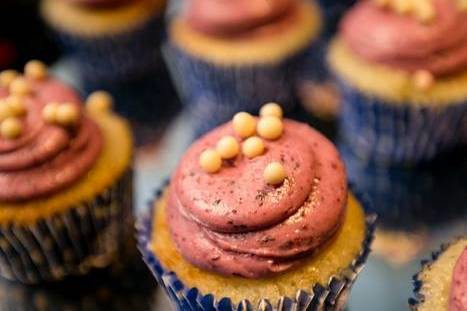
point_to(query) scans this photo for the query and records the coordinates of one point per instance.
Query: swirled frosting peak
(458, 296)
(238, 221)
(54, 147)
(404, 42)
(226, 17)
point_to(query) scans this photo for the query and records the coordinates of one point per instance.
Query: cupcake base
(330, 296)
(88, 235)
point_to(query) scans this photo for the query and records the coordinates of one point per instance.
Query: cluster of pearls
(269, 126)
(12, 108)
(63, 114)
(423, 10)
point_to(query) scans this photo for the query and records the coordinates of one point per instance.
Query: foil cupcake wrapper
(117, 57)
(214, 93)
(419, 298)
(387, 133)
(331, 296)
(88, 235)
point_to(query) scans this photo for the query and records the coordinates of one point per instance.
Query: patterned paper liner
(388, 133)
(411, 198)
(117, 57)
(332, 296)
(419, 298)
(89, 235)
(214, 93)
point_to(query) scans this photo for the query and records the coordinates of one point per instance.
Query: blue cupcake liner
(116, 57)
(419, 298)
(390, 133)
(333, 11)
(88, 235)
(331, 296)
(410, 198)
(213, 93)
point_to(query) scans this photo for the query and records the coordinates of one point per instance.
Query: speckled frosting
(402, 41)
(458, 296)
(46, 157)
(233, 223)
(239, 17)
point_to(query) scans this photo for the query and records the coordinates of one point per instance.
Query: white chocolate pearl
(67, 114)
(271, 109)
(11, 128)
(5, 110)
(210, 161)
(20, 86)
(16, 105)
(99, 101)
(7, 76)
(270, 127)
(36, 70)
(227, 147)
(274, 173)
(253, 147)
(49, 113)
(244, 124)
(423, 79)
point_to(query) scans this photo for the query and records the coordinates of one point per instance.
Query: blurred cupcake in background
(412, 203)
(65, 179)
(227, 56)
(402, 68)
(257, 216)
(442, 283)
(111, 40)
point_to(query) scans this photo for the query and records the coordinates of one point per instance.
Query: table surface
(384, 284)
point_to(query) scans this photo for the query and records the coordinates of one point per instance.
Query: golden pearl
(11, 128)
(99, 101)
(210, 161)
(274, 173)
(403, 6)
(244, 124)
(16, 105)
(36, 70)
(270, 127)
(228, 147)
(253, 147)
(423, 79)
(7, 76)
(5, 110)
(271, 109)
(20, 86)
(49, 113)
(67, 114)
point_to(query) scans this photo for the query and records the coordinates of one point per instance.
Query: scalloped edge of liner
(418, 297)
(315, 298)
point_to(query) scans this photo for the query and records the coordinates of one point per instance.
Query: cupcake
(65, 179)
(112, 40)
(228, 56)
(402, 67)
(442, 283)
(257, 216)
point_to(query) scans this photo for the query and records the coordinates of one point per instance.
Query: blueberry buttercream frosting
(47, 142)
(255, 196)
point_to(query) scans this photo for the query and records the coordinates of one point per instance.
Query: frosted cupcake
(262, 221)
(442, 283)
(228, 56)
(112, 40)
(65, 179)
(402, 67)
